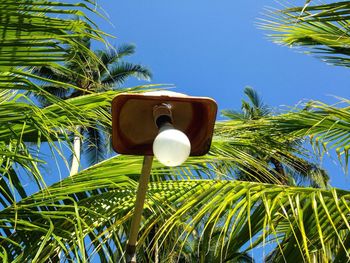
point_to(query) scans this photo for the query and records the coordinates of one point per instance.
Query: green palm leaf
(31, 38)
(25, 127)
(321, 29)
(327, 126)
(99, 202)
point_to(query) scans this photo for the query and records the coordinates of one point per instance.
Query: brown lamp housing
(135, 116)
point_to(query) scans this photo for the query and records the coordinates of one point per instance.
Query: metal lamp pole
(140, 200)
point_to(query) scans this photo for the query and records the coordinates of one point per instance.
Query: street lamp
(169, 125)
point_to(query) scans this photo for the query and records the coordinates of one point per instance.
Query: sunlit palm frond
(278, 152)
(25, 128)
(97, 204)
(254, 214)
(37, 34)
(321, 29)
(257, 150)
(87, 78)
(328, 126)
(31, 38)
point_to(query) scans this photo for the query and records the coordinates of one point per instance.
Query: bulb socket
(162, 115)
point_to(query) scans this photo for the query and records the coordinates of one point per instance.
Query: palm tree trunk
(76, 152)
(73, 170)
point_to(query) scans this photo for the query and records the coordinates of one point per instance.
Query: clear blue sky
(214, 48)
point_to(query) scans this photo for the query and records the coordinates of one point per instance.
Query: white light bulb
(171, 147)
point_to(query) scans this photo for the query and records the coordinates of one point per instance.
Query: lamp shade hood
(134, 128)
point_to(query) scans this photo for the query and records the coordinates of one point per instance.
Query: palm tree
(253, 109)
(87, 215)
(108, 72)
(302, 171)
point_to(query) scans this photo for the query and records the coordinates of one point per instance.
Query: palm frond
(233, 115)
(327, 126)
(31, 38)
(99, 201)
(112, 55)
(51, 73)
(252, 109)
(125, 50)
(321, 29)
(253, 97)
(25, 127)
(123, 70)
(94, 144)
(254, 147)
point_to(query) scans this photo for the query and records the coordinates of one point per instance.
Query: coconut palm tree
(253, 109)
(303, 171)
(108, 72)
